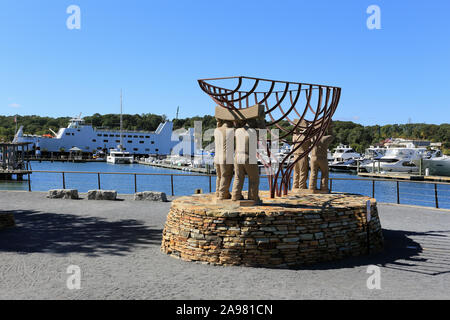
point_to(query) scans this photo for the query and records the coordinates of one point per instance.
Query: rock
(151, 196)
(306, 236)
(318, 235)
(102, 195)
(63, 194)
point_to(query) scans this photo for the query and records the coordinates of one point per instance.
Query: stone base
(280, 232)
(240, 203)
(7, 220)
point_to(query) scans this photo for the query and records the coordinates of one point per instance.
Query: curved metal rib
(313, 130)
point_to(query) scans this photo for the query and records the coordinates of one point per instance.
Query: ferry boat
(90, 139)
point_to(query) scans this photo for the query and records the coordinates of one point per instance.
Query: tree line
(349, 133)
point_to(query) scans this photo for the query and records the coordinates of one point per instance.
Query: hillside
(358, 136)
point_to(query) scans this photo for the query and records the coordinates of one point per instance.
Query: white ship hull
(89, 139)
(399, 167)
(437, 166)
(119, 160)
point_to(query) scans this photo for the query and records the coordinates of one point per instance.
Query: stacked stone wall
(281, 232)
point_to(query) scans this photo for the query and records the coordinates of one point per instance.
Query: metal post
(64, 181)
(29, 183)
(373, 188)
(331, 184)
(171, 183)
(135, 183)
(98, 178)
(210, 189)
(368, 215)
(398, 193)
(436, 195)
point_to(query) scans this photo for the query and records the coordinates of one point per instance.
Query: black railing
(435, 201)
(63, 177)
(373, 181)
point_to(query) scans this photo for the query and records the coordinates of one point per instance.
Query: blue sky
(156, 50)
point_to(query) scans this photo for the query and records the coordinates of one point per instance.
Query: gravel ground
(116, 245)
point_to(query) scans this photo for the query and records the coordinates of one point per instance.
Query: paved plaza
(116, 245)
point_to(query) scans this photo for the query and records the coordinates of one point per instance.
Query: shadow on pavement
(403, 250)
(66, 233)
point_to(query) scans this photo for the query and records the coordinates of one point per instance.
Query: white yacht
(344, 153)
(396, 160)
(374, 153)
(118, 156)
(438, 166)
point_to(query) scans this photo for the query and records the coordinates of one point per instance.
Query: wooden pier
(13, 161)
(9, 174)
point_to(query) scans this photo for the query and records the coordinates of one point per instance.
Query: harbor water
(385, 191)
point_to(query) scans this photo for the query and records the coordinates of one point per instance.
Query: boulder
(63, 194)
(151, 196)
(102, 194)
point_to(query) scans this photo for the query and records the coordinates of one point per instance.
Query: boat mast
(121, 136)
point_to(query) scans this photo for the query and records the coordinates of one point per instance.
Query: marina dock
(65, 160)
(404, 176)
(183, 168)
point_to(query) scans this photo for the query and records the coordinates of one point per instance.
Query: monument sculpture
(277, 230)
(236, 149)
(301, 166)
(224, 145)
(245, 162)
(279, 100)
(319, 161)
